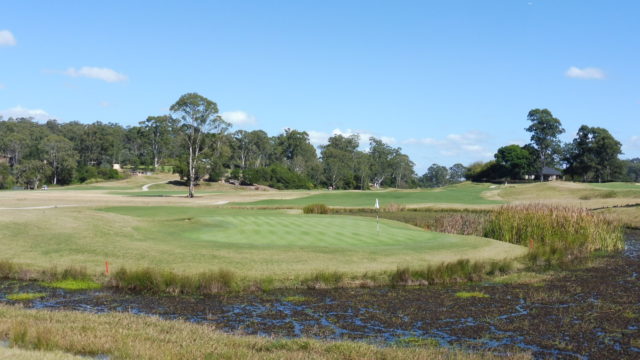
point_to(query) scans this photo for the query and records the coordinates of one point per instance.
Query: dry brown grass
(126, 336)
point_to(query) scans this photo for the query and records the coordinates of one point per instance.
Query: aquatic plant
(471, 294)
(73, 284)
(25, 296)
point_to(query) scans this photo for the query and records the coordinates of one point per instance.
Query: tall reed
(555, 232)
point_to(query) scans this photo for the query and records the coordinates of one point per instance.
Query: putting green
(253, 243)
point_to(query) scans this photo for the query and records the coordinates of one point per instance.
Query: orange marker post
(106, 267)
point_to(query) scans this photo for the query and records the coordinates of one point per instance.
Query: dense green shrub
(277, 176)
(316, 209)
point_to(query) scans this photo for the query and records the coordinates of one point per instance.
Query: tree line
(592, 156)
(199, 145)
(195, 142)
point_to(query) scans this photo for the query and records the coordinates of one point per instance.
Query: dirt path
(38, 207)
(146, 187)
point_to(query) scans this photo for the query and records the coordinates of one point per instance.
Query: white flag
(377, 204)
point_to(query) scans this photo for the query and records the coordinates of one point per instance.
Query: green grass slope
(467, 193)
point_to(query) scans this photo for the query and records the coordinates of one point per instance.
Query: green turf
(254, 243)
(467, 193)
(617, 186)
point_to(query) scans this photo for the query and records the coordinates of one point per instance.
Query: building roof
(550, 171)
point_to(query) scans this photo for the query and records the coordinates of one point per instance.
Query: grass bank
(125, 336)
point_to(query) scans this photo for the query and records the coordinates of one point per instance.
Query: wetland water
(589, 313)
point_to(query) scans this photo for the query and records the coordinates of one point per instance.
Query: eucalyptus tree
(338, 160)
(61, 157)
(198, 116)
(158, 129)
(544, 130)
(380, 155)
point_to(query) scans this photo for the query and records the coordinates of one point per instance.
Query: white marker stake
(377, 216)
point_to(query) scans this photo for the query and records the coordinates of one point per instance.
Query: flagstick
(377, 217)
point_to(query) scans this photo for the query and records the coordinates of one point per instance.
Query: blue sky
(448, 81)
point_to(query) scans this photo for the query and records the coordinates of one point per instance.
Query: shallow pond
(589, 313)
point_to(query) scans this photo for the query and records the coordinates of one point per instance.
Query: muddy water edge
(586, 313)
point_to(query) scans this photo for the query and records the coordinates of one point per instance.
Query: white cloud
(104, 74)
(7, 38)
(635, 141)
(239, 118)
(19, 111)
(585, 73)
(318, 138)
(453, 145)
(2, 86)
(104, 104)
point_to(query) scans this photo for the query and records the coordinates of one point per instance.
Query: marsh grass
(460, 222)
(455, 272)
(555, 234)
(160, 281)
(127, 336)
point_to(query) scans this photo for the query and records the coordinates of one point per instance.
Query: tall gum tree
(197, 116)
(544, 130)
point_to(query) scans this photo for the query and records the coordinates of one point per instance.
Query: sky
(447, 81)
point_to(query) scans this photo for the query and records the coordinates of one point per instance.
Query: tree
(457, 173)
(544, 130)
(59, 152)
(31, 172)
(338, 160)
(633, 169)
(515, 160)
(593, 153)
(294, 149)
(402, 169)
(198, 116)
(380, 155)
(158, 129)
(436, 176)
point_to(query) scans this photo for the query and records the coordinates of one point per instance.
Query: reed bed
(460, 222)
(555, 233)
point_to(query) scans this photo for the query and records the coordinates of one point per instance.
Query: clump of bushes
(316, 209)
(155, 281)
(459, 271)
(554, 233)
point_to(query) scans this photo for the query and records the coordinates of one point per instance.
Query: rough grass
(315, 209)
(126, 336)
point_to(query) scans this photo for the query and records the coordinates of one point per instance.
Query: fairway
(467, 194)
(254, 243)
